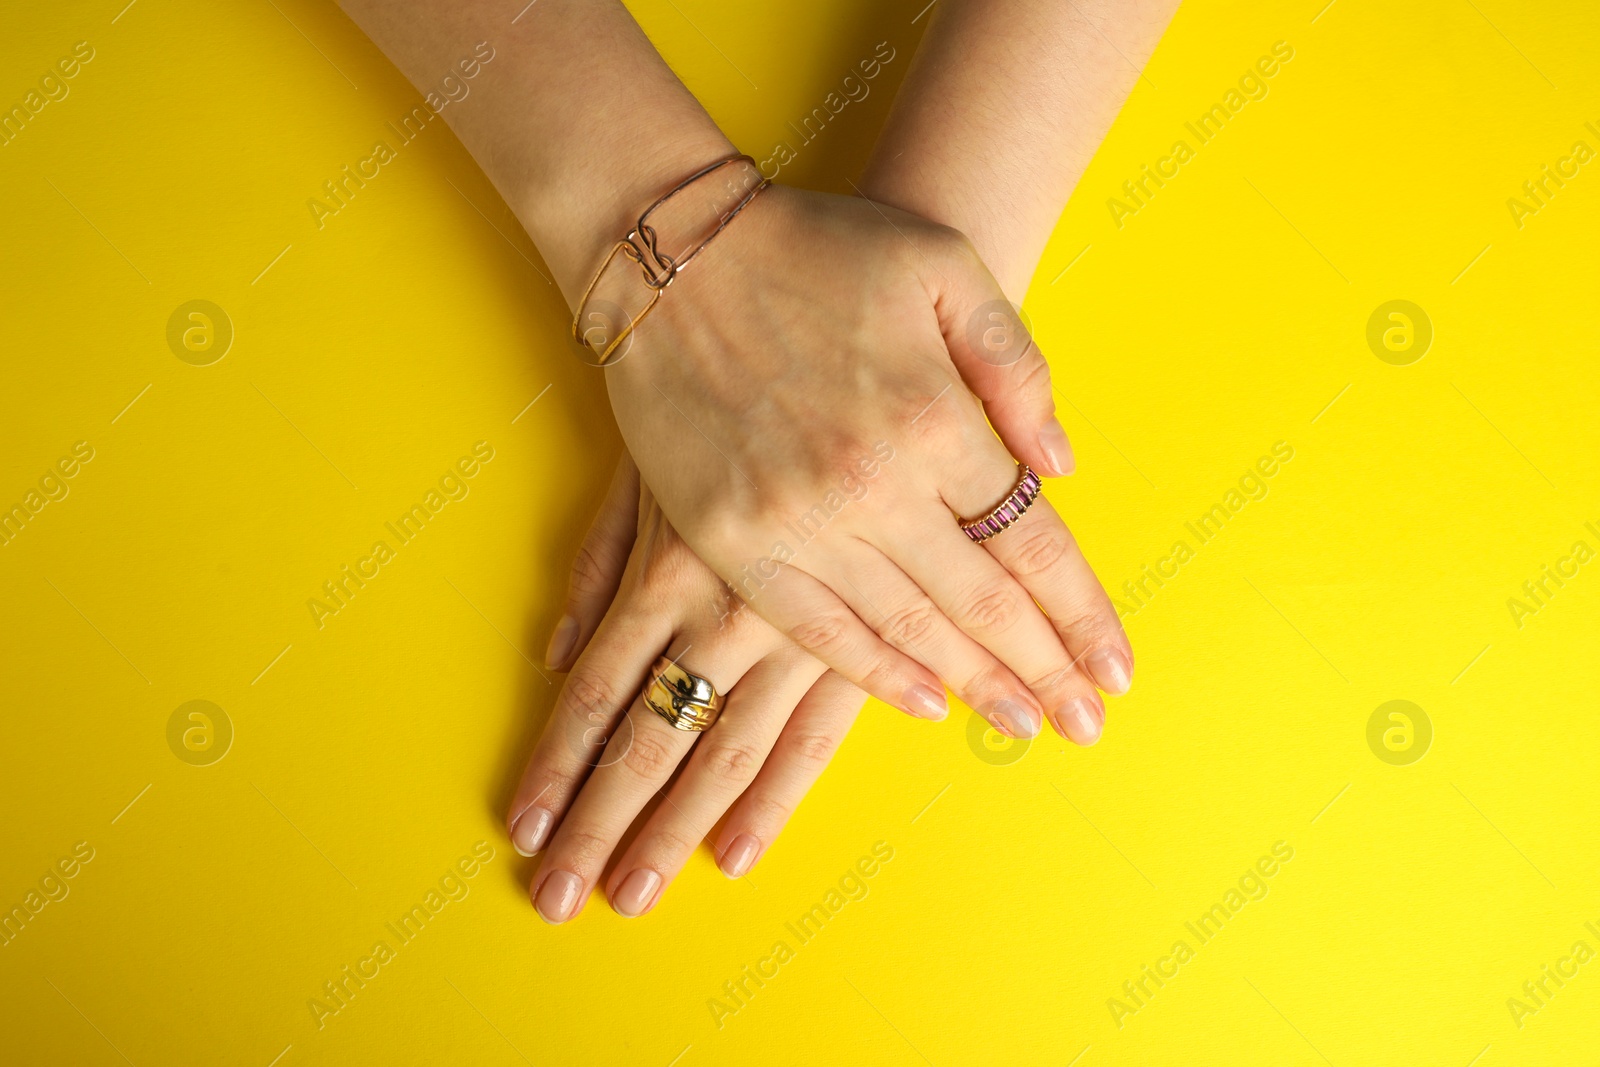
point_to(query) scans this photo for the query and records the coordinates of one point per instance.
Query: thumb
(597, 569)
(992, 348)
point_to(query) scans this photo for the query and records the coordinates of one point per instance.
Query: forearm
(579, 124)
(1004, 106)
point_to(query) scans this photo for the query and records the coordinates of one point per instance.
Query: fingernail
(557, 897)
(739, 856)
(561, 642)
(636, 892)
(1013, 719)
(1110, 671)
(925, 703)
(1057, 452)
(529, 830)
(1081, 721)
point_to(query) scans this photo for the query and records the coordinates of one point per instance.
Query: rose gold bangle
(686, 223)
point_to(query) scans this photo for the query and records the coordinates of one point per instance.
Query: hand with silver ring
(675, 672)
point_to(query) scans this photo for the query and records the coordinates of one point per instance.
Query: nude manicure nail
(1057, 451)
(561, 642)
(1110, 671)
(1081, 720)
(925, 703)
(1013, 719)
(529, 830)
(558, 896)
(636, 892)
(740, 855)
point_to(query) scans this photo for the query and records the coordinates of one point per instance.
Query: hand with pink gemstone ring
(815, 329)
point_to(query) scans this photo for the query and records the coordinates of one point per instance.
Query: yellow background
(369, 756)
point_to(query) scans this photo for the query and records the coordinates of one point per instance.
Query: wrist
(587, 201)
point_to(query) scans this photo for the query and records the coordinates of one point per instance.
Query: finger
(1044, 556)
(597, 568)
(603, 682)
(903, 613)
(992, 347)
(723, 763)
(987, 600)
(808, 741)
(648, 751)
(818, 621)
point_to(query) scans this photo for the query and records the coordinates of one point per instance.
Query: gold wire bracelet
(657, 265)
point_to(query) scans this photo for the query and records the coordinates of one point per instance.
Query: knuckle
(669, 841)
(822, 634)
(993, 609)
(591, 575)
(1091, 622)
(767, 813)
(880, 675)
(589, 698)
(910, 625)
(650, 756)
(813, 748)
(1037, 550)
(1087, 613)
(1034, 370)
(583, 850)
(555, 784)
(1053, 682)
(730, 761)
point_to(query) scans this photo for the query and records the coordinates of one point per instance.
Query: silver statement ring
(1008, 511)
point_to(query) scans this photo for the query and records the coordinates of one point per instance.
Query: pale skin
(985, 140)
(821, 326)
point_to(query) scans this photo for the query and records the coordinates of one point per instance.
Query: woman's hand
(807, 403)
(595, 769)
(813, 328)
